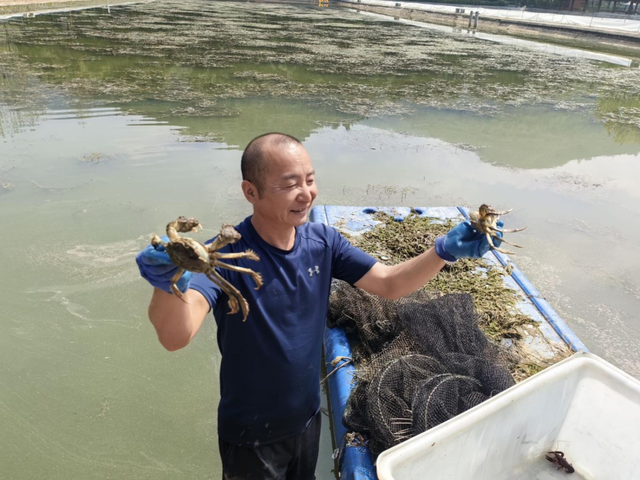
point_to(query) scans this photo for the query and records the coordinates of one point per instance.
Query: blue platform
(356, 462)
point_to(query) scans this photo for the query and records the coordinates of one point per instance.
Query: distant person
(269, 411)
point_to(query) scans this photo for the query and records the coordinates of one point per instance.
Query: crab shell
(189, 255)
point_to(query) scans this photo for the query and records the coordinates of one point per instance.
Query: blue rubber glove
(157, 268)
(464, 241)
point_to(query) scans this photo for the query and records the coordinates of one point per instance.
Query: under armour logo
(313, 270)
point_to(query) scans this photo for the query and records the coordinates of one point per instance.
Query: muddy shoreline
(563, 35)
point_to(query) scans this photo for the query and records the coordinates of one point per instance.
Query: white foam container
(582, 406)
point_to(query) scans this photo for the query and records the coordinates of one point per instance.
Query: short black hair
(254, 162)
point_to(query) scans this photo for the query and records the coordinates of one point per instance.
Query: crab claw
(183, 224)
(490, 211)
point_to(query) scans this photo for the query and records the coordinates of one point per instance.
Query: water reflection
(525, 137)
(619, 112)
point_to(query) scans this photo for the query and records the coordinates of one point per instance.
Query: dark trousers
(291, 459)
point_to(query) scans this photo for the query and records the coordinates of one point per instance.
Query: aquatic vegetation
(393, 242)
(621, 115)
(190, 57)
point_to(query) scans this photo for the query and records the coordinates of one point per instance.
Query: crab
(485, 220)
(188, 254)
(559, 459)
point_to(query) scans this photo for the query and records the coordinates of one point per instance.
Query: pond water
(113, 122)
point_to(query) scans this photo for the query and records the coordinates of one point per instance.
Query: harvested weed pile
(394, 242)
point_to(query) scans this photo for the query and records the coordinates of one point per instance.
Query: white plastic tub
(582, 406)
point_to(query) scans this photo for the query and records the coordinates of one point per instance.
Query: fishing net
(420, 361)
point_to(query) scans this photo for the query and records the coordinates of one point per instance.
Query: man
(268, 417)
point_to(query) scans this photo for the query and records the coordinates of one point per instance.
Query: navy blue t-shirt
(270, 371)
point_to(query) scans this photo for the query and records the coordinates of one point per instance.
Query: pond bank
(289, 2)
(607, 41)
(10, 8)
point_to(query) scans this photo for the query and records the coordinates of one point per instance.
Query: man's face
(289, 186)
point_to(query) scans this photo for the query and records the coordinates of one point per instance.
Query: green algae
(193, 55)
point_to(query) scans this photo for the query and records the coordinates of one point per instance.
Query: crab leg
(250, 254)
(510, 243)
(255, 275)
(502, 239)
(174, 287)
(509, 230)
(231, 290)
(233, 301)
(496, 248)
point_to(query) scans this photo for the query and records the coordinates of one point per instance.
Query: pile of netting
(420, 361)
